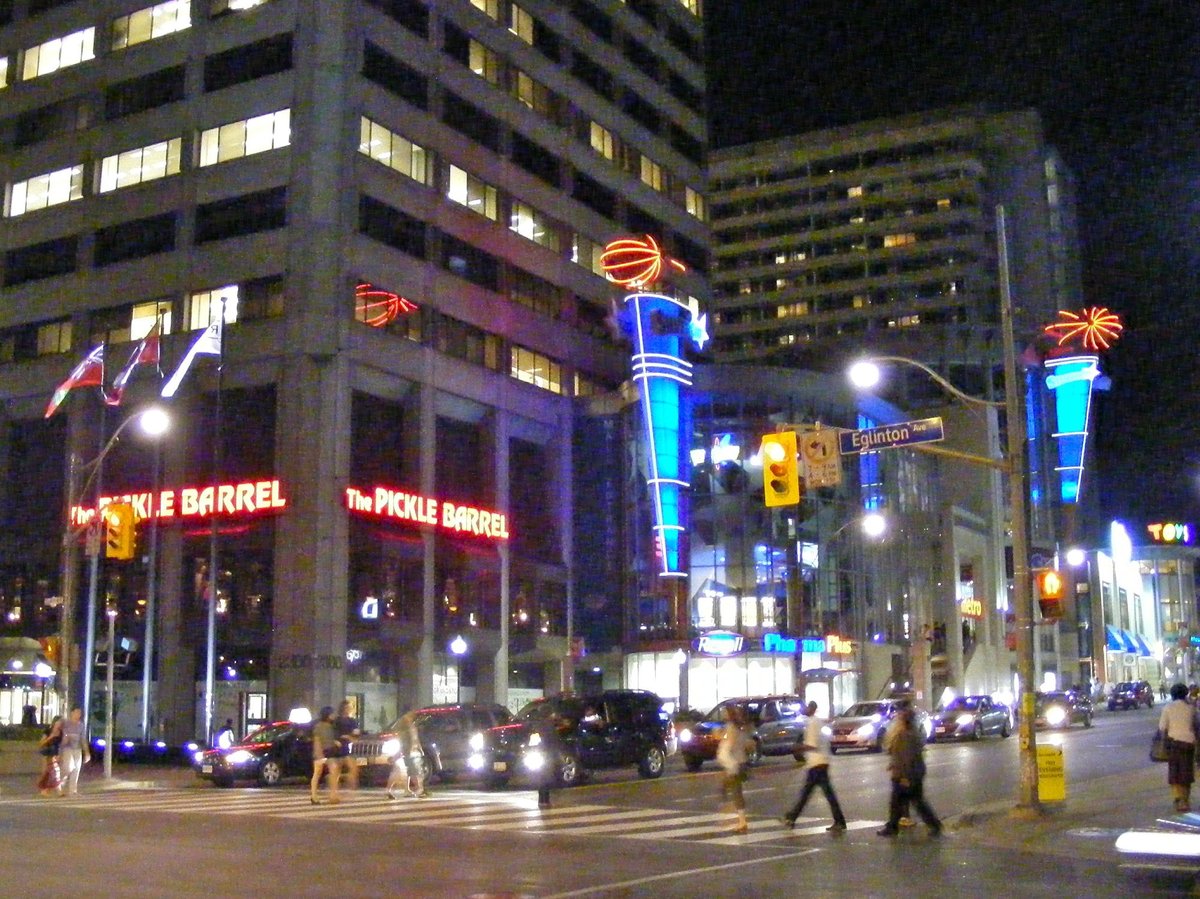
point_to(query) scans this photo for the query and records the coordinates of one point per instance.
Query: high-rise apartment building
(396, 208)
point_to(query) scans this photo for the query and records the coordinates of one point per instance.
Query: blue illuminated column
(1071, 379)
(659, 326)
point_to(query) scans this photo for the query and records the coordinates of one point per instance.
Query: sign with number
(820, 461)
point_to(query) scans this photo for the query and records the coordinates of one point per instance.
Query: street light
(1013, 465)
(458, 646)
(111, 612)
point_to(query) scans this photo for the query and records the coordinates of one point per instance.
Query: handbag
(1158, 747)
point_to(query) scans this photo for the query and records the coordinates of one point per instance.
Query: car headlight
(239, 757)
(390, 747)
(198, 756)
(476, 742)
(535, 760)
(964, 720)
(1056, 715)
(685, 735)
(535, 740)
(866, 730)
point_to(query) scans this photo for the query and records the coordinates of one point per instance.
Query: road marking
(741, 839)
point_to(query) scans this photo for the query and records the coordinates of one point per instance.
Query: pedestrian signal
(120, 536)
(1050, 593)
(781, 472)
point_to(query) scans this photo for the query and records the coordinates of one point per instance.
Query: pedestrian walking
(549, 732)
(49, 779)
(224, 738)
(732, 756)
(907, 767)
(816, 767)
(73, 752)
(1162, 689)
(1177, 721)
(345, 726)
(408, 765)
(325, 749)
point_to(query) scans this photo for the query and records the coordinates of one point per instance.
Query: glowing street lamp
(459, 647)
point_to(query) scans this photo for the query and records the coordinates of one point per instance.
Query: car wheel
(754, 754)
(692, 763)
(569, 772)
(653, 762)
(270, 773)
(977, 731)
(1005, 730)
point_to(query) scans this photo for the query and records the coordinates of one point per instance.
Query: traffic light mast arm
(934, 450)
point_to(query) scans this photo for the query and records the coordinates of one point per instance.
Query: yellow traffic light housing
(781, 471)
(120, 537)
(1050, 589)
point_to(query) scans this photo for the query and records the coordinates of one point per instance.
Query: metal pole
(66, 613)
(210, 665)
(151, 598)
(94, 547)
(1014, 395)
(111, 612)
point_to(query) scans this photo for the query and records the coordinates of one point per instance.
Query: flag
(146, 353)
(88, 373)
(207, 344)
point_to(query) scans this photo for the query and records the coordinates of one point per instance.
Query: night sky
(1118, 86)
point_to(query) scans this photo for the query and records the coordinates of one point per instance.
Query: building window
(536, 369)
(150, 23)
(394, 151)
(54, 338)
(651, 173)
(238, 216)
(143, 164)
(245, 138)
(533, 94)
(520, 23)
(587, 252)
(227, 6)
(42, 191)
(145, 92)
(693, 201)
(466, 342)
(855, 191)
(602, 141)
(205, 305)
(490, 8)
(484, 62)
(389, 73)
(3, 71)
(473, 193)
(59, 53)
(42, 260)
(390, 226)
(692, 6)
(248, 62)
(533, 225)
(899, 240)
(144, 315)
(135, 240)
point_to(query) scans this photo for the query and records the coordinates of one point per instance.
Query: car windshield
(865, 710)
(1047, 698)
(963, 704)
(541, 709)
(752, 707)
(267, 734)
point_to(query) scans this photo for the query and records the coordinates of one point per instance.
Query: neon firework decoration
(378, 307)
(1096, 327)
(659, 327)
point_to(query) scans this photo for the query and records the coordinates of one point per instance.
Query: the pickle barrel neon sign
(189, 503)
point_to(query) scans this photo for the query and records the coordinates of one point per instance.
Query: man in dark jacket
(907, 767)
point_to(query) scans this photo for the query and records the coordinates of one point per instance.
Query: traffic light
(120, 538)
(1050, 593)
(781, 472)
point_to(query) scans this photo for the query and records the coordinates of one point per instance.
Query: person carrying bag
(1177, 723)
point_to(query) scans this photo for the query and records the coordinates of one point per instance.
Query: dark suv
(1130, 694)
(608, 730)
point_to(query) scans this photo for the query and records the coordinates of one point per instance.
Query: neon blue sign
(1071, 379)
(719, 643)
(779, 643)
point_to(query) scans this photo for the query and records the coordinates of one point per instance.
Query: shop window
(248, 62)
(151, 22)
(135, 239)
(42, 191)
(467, 190)
(393, 150)
(246, 138)
(389, 73)
(59, 53)
(40, 260)
(145, 92)
(147, 163)
(263, 210)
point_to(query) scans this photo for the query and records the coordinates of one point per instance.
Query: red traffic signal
(1051, 588)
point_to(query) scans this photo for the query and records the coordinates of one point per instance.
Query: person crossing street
(816, 767)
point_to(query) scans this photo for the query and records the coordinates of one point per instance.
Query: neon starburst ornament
(1095, 327)
(377, 307)
(634, 262)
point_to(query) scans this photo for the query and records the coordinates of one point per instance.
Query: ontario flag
(88, 373)
(207, 344)
(146, 353)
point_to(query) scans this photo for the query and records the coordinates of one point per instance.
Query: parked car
(863, 725)
(777, 721)
(456, 739)
(1130, 694)
(1062, 708)
(267, 755)
(971, 717)
(607, 730)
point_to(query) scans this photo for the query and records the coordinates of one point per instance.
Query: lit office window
(899, 240)
(694, 203)
(692, 6)
(483, 62)
(536, 369)
(59, 53)
(490, 8)
(587, 252)
(143, 164)
(473, 193)
(245, 138)
(520, 23)
(533, 225)
(220, 6)
(394, 151)
(651, 173)
(144, 315)
(152, 22)
(533, 94)
(54, 338)
(3, 71)
(206, 305)
(49, 189)
(603, 142)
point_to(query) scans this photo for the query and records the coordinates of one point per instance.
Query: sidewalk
(125, 777)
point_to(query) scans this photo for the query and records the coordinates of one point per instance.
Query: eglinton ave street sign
(902, 433)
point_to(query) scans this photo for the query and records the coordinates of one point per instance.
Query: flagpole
(211, 660)
(94, 546)
(151, 597)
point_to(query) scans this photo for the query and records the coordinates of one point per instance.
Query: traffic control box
(781, 469)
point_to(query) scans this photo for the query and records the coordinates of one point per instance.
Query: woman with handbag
(1178, 725)
(48, 782)
(732, 756)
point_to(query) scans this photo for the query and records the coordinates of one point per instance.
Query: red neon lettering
(411, 507)
(244, 497)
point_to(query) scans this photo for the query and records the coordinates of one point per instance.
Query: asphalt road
(615, 836)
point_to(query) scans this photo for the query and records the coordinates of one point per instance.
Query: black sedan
(971, 717)
(267, 756)
(1062, 708)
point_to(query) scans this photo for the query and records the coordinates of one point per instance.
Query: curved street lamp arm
(941, 381)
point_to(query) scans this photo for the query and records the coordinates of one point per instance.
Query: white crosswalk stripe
(461, 809)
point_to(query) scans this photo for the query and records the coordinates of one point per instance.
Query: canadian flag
(88, 373)
(147, 352)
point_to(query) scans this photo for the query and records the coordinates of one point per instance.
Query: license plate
(206, 769)
(499, 766)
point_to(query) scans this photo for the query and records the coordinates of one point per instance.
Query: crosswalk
(461, 809)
